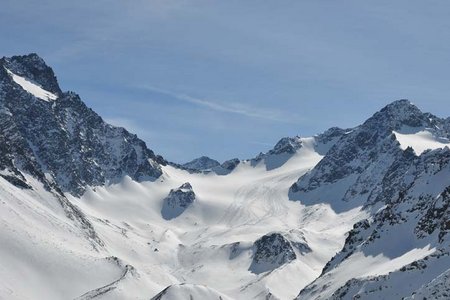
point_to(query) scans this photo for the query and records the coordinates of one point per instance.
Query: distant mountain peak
(401, 108)
(201, 164)
(287, 145)
(398, 114)
(400, 103)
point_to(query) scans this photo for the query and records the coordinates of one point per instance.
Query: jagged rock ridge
(63, 143)
(270, 252)
(353, 168)
(177, 201)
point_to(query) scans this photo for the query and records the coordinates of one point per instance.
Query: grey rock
(177, 201)
(231, 164)
(288, 145)
(203, 163)
(270, 252)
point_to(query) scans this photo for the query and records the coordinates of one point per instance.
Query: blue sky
(229, 78)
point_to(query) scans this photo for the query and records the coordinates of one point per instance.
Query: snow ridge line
(106, 288)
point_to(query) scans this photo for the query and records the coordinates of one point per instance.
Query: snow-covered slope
(32, 88)
(215, 240)
(182, 291)
(421, 141)
(403, 246)
(87, 211)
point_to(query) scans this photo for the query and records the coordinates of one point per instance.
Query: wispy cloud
(145, 133)
(232, 107)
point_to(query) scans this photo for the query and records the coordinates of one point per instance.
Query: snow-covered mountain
(55, 137)
(87, 211)
(402, 249)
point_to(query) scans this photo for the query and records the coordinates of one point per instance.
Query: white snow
(364, 266)
(204, 252)
(195, 248)
(421, 141)
(239, 208)
(360, 265)
(32, 87)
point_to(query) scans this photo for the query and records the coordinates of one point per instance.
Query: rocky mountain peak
(287, 145)
(401, 108)
(64, 139)
(33, 68)
(202, 163)
(398, 114)
(357, 163)
(270, 252)
(178, 201)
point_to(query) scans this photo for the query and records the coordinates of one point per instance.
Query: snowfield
(209, 244)
(421, 141)
(32, 87)
(207, 251)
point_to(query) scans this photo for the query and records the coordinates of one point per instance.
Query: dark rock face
(177, 201)
(201, 164)
(436, 217)
(63, 143)
(288, 145)
(270, 252)
(332, 135)
(34, 68)
(231, 164)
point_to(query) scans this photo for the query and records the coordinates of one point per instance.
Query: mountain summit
(33, 68)
(356, 164)
(399, 114)
(201, 164)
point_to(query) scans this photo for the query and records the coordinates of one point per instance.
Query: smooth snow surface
(363, 266)
(32, 88)
(421, 141)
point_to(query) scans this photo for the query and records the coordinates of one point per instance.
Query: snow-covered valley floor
(210, 244)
